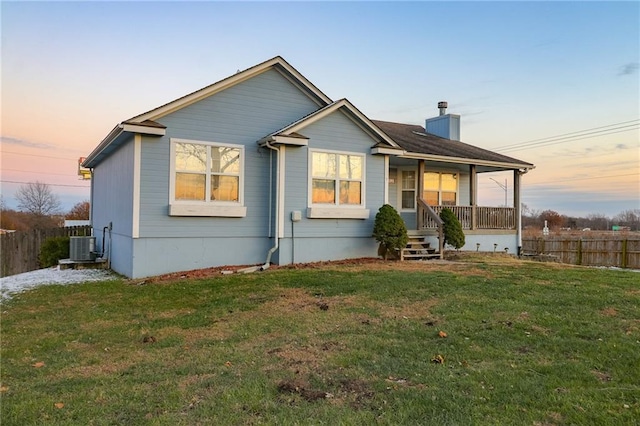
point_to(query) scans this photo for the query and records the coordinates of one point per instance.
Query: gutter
(461, 160)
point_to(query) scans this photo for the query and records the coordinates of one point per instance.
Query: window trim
(399, 187)
(337, 210)
(206, 208)
(440, 173)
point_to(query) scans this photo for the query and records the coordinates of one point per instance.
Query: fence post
(623, 259)
(579, 254)
(541, 246)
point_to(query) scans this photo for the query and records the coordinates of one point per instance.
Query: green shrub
(52, 250)
(390, 231)
(453, 234)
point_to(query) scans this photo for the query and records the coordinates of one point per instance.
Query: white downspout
(276, 233)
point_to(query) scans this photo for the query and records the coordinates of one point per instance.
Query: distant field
(485, 340)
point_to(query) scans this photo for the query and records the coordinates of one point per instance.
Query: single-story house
(263, 167)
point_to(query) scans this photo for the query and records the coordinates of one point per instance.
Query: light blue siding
(446, 126)
(410, 219)
(113, 204)
(154, 256)
(325, 239)
(304, 250)
(393, 188)
(240, 115)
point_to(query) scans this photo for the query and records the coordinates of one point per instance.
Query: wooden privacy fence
(621, 251)
(19, 250)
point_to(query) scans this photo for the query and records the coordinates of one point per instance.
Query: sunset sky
(551, 83)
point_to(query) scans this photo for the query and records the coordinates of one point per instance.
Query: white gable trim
(354, 115)
(387, 151)
(284, 140)
(283, 67)
(137, 128)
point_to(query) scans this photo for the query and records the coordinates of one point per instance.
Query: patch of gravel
(14, 284)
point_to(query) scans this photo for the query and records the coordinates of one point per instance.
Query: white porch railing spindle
(486, 217)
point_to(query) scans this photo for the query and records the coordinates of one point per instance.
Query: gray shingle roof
(413, 138)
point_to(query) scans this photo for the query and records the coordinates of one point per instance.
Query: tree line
(535, 219)
(39, 208)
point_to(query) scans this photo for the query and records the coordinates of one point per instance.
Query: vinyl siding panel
(329, 239)
(155, 256)
(239, 115)
(113, 204)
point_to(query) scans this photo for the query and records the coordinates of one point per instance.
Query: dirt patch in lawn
(609, 312)
(352, 392)
(601, 375)
(415, 310)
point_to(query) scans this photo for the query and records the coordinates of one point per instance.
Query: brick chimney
(444, 125)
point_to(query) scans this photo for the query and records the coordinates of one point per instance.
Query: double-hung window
(440, 188)
(206, 179)
(337, 186)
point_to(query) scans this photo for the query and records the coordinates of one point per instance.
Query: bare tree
(37, 199)
(80, 211)
(630, 218)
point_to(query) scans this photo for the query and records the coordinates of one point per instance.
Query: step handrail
(434, 216)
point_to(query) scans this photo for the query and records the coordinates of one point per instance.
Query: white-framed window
(207, 179)
(408, 188)
(337, 185)
(440, 188)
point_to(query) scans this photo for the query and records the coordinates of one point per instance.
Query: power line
(50, 184)
(569, 139)
(586, 178)
(570, 133)
(487, 184)
(40, 173)
(623, 126)
(35, 155)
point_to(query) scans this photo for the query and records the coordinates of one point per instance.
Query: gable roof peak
(277, 62)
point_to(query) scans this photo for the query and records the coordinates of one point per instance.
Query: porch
(470, 217)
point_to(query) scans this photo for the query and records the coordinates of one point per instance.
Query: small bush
(52, 250)
(453, 234)
(390, 231)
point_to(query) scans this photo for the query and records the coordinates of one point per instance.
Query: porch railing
(485, 217)
(430, 215)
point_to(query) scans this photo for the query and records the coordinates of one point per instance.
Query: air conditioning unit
(82, 248)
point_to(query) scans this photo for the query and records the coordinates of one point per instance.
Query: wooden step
(417, 248)
(420, 256)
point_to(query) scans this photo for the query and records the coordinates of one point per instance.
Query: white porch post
(386, 179)
(518, 209)
(420, 190)
(473, 195)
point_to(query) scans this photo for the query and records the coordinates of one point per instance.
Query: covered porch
(422, 190)
(471, 215)
(431, 169)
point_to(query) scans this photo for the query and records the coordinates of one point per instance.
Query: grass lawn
(488, 340)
